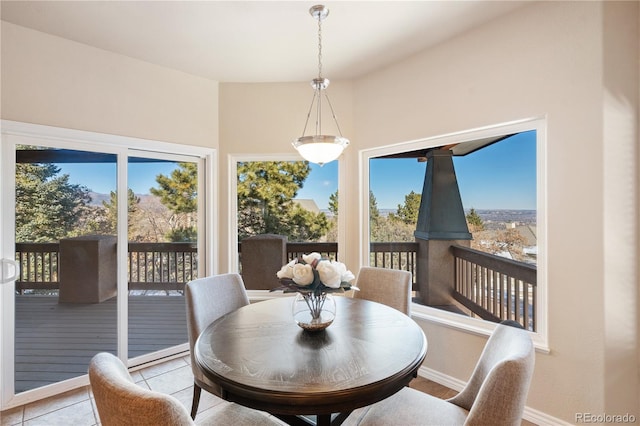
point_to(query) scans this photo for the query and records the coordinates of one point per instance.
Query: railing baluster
(510, 301)
(498, 288)
(469, 278)
(525, 304)
(501, 309)
(517, 307)
(494, 298)
(534, 298)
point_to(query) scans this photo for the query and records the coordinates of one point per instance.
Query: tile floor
(77, 407)
(174, 377)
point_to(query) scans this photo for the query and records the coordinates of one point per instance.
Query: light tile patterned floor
(173, 377)
(78, 408)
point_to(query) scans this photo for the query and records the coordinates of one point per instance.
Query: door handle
(9, 270)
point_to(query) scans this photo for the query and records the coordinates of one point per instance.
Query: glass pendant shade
(320, 149)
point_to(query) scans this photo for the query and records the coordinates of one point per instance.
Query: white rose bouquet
(313, 277)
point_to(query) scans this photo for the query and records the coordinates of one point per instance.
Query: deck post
(263, 256)
(441, 222)
(88, 268)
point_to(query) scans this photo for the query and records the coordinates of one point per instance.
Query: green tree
(475, 221)
(408, 212)
(374, 212)
(305, 225)
(333, 203)
(266, 190)
(48, 206)
(392, 230)
(111, 211)
(179, 193)
(182, 234)
(375, 220)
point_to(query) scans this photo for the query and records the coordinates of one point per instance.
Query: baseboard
(530, 414)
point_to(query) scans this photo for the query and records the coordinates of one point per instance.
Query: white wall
(52, 81)
(621, 83)
(554, 59)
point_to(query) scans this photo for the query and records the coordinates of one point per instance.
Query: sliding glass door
(162, 203)
(65, 244)
(105, 235)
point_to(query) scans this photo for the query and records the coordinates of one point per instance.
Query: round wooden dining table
(263, 360)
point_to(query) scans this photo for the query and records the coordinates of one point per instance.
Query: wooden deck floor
(55, 341)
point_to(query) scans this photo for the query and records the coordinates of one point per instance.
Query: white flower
(329, 274)
(287, 270)
(345, 275)
(302, 274)
(309, 258)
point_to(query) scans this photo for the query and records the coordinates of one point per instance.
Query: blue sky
(500, 176)
(101, 177)
(321, 183)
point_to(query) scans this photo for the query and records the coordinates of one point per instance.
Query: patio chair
(391, 287)
(495, 395)
(207, 300)
(122, 402)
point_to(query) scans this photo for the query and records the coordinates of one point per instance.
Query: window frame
(449, 319)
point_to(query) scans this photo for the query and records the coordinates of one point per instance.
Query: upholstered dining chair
(494, 395)
(207, 300)
(391, 287)
(121, 402)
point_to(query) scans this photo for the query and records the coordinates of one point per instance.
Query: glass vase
(314, 312)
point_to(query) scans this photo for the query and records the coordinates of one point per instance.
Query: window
(465, 214)
(286, 197)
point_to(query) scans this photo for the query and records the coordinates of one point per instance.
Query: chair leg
(196, 400)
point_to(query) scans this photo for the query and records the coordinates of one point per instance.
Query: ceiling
(257, 41)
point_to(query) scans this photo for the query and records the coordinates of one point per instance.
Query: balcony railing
(492, 287)
(495, 288)
(162, 266)
(329, 250)
(151, 266)
(393, 255)
(39, 266)
(396, 255)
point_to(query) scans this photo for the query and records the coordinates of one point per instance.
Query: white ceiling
(257, 41)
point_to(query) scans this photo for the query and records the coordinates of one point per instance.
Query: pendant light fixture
(320, 148)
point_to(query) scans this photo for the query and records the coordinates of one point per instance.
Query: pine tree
(179, 193)
(475, 221)
(111, 208)
(408, 212)
(48, 206)
(333, 203)
(266, 190)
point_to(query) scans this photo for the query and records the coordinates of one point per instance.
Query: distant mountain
(507, 216)
(97, 199)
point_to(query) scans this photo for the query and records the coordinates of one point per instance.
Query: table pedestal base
(321, 419)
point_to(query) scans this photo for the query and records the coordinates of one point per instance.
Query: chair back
(121, 402)
(497, 391)
(391, 287)
(207, 300)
